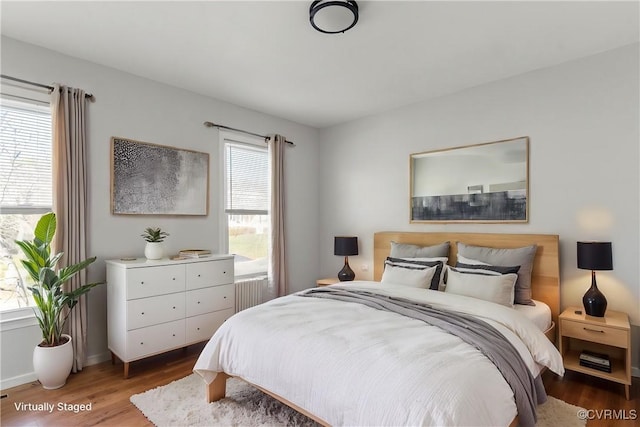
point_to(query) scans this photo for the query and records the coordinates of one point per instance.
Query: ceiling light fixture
(333, 16)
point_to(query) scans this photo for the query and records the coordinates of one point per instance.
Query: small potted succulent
(154, 238)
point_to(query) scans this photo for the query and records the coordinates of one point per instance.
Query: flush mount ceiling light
(333, 16)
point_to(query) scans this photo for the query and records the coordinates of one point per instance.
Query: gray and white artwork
(496, 206)
(158, 180)
(487, 182)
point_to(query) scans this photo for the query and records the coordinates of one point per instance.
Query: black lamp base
(595, 304)
(346, 274)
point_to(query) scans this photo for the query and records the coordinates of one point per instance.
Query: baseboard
(31, 376)
(94, 359)
(635, 372)
(19, 380)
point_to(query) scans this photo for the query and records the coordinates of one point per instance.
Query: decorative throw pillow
(506, 257)
(498, 289)
(416, 278)
(404, 250)
(486, 269)
(443, 271)
(416, 264)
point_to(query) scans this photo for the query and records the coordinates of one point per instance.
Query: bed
(345, 363)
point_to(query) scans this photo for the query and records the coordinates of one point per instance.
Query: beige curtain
(278, 268)
(70, 199)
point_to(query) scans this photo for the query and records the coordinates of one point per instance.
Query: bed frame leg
(217, 389)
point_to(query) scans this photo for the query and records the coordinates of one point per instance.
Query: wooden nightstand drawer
(609, 335)
(595, 333)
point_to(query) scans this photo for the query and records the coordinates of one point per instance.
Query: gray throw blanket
(528, 392)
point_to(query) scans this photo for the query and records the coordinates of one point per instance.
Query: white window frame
(241, 139)
(14, 318)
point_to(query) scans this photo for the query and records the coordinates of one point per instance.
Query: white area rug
(182, 403)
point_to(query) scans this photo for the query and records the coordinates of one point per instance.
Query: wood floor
(108, 393)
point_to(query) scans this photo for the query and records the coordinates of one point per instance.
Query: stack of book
(597, 361)
(194, 253)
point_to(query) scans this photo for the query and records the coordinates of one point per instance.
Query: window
(25, 189)
(246, 204)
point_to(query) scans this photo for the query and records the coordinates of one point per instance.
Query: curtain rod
(214, 125)
(49, 88)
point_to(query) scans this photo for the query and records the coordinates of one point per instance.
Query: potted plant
(53, 357)
(154, 237)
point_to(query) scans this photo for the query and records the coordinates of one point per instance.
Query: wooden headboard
(545, 277)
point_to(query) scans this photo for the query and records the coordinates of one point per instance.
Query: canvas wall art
(486, 182)
(150, 179)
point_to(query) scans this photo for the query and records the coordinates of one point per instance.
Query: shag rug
(182, 403)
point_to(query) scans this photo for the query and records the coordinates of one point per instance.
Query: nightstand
(327, 282)
(610, 335)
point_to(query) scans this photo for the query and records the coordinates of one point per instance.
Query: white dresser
(157, 306)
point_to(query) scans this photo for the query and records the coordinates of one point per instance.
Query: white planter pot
(53, 364)
(154, 250)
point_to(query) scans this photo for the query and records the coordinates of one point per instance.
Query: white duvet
(349, 364)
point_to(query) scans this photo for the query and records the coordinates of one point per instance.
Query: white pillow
(443, 273)
(464, 260)
(522, 257)
(419, 264)
(408, 277)
(442, 259)
(498, 289)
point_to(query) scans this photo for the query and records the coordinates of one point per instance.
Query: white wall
(18, 338)
(140, 109)
(582, 118)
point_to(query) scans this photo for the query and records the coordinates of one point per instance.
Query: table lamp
(345, 246)
(594, 256)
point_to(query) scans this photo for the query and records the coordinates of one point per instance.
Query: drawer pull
(198, 275)
(174, 335)
(225, 297)
(198, 328)
(141, 343)
(173, 278)
(593, 330)
(143, 313)
(142, 283)
(174, 307)
(198, 302)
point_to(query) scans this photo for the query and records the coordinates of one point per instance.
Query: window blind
(25, 157)
(247, 176)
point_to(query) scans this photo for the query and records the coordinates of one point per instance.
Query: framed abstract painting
(150, 179)
(486, 182)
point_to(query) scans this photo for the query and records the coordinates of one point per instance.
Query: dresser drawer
(209, 273)
(150, 281)
(201, 328)
(595, 333)
(205, 300)
(154, 310)
(155, 339)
